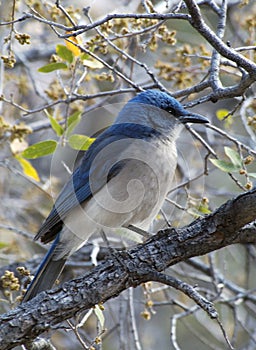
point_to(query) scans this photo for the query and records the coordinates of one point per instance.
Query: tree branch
(129, 269)
(198, 23)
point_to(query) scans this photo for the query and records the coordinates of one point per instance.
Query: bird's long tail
(46, 275)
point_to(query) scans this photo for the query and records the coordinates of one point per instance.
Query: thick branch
(130, 269)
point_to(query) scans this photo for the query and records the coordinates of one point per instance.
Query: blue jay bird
(122, 181)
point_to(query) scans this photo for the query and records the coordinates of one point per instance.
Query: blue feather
(47, 273)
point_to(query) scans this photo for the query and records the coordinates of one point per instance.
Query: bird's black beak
(188, 117)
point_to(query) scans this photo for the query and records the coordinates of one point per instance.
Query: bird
(121, 182)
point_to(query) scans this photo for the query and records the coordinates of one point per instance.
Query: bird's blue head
(169, 104)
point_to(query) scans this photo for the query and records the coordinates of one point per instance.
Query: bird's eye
(172, 111)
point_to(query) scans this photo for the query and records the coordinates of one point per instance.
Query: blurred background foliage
(59, 91)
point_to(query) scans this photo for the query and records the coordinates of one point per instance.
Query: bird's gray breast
(136, 194)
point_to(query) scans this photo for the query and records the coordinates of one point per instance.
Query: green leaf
(85, 56)
(73, 120)
(3, 245)
(234, 157)
(52, 66)
(40, 149)
(75, 117)
(100, 316)
(203, 209)
(252, 175)
(64, 53)
(225, 166)
(56, 126)
(80, 142)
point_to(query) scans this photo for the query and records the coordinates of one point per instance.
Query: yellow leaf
(28, 168)
(74, 49)
(158, 217)
(222, 113)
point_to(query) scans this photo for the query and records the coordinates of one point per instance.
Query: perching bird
(123, 180)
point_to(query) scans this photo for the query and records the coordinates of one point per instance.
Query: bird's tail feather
(46, 275)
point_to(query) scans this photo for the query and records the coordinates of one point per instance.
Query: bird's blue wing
(68, 198)
(78, 188)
